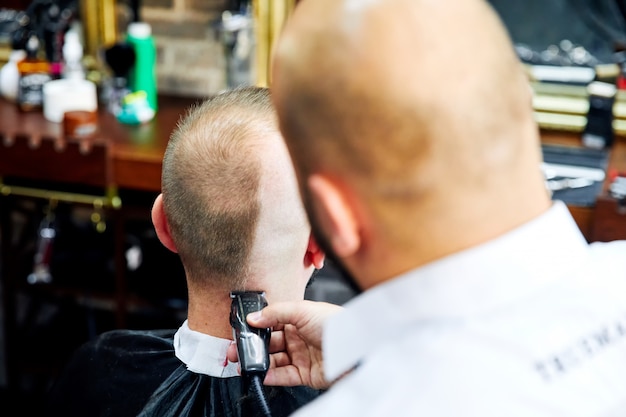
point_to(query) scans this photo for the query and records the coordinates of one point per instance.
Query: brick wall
(189, 53)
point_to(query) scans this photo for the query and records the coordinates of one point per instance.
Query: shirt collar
(202, 353)
(470, 282)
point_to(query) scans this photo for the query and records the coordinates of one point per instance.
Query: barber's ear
(314, 255)
(335, 216)
(160, 224)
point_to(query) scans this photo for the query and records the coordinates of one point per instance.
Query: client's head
(230, 205)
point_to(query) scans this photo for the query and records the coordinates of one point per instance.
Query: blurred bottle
(142, 76)
(10, 76)
(34, 72)
(72, 56)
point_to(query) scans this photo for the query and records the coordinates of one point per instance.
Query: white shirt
(532, 323)
(202, 353)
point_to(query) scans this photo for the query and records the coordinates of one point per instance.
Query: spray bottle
(142, 76)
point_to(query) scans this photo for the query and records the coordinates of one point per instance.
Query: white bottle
(72, 56)
(10, 76)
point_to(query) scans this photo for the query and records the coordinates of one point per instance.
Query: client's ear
(335, 216)
(314, 254)
(160, 224)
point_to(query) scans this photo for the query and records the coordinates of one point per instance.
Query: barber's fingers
(284, 371)
(284, 376)
(277, 344)
(305, 315)
(279, 359)
(275, 315)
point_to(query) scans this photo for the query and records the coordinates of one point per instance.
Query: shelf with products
(102, 189)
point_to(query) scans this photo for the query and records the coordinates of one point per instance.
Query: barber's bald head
(416, 107)
(384, 86)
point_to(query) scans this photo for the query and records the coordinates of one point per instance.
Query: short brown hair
(210, 183)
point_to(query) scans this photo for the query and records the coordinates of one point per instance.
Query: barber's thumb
(254, 317)
(276, 315)
(267, 317)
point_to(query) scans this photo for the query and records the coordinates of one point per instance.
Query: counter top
(133, 152)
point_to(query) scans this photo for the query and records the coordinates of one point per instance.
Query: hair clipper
(252, 343)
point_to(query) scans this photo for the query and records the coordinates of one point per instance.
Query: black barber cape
(136, 373)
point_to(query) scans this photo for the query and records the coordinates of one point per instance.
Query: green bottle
(142, 76)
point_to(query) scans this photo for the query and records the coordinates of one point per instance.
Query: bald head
(413, 104)
(391, 84)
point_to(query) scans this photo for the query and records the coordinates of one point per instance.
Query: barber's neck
(452, 226)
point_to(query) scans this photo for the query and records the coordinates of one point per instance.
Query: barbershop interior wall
(191, 60)
(189, 53)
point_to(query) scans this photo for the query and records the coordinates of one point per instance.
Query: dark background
(595, 24)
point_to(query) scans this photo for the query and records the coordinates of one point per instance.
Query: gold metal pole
(270, 17)
(89, 18)
(99, 22)
(111, 199)
(261, 12)
(108, 22)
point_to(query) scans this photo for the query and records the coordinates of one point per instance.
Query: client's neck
(208, 312)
